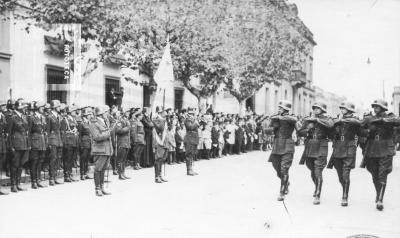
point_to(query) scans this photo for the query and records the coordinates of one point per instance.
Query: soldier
(19, 144)
(68, 128)
(344, 136)
(191, 140)
(54, 140)
(379, 149)
(85, 142)
(160, 150)
(37, 132)
(3, 141)
(102, 149)
(316, 130)
(123, 140)
(282, 125)
(137, 137)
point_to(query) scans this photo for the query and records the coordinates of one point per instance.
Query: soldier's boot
(377, 190)
(13, 173)
(189, 164)
(19, 174)
(82, 177)
(34, 184)
(157, 173)
(123, 172)
(318, 192)
(97, 184)
(287, 183)
(119, 170)
(67, 178)
(39, 184)
(161, 177)
(282, 190)
(33, 178)
(379, 204)
(346, 186)
(103, 191)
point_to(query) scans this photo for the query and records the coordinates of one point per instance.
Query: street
(232, 197)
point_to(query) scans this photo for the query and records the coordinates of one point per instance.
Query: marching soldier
(3, 141)
(85, 142)
(123, 140)
(379, 149)
(68, 127)
(19, 144)
(102, 149)
(37, 132)
(159, 144)
(137, 137)
(282, 125)
(54, 140)
(191, 140)
(316, 130)
(343, 158)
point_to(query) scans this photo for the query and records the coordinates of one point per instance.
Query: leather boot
(286, 184)
(282, 190)
(189, 166)
(39, 184)
(34, 185)
(377, 190)
(379, 204)
(102, 184)
(157, 173)
(346, 186)
(67, 179)
(123, 173)
(13, 173)
(97, 184)
(19, 173)
(82, 177)
(318, 192)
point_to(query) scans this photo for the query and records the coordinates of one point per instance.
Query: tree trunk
(202, 104)
(242, 107)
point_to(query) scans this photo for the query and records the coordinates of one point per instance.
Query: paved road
(232, 197)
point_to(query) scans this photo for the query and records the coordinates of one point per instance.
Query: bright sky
(348, 32)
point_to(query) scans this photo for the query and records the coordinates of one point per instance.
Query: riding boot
(102, 184)
(377, 190)
(286, 184)
(346, 186)
(19, 173)
(318, 191)
(160, 171)
(97, 183)
(13, 178)
(123, 172)
(157, 173)
(379, 204)
(282, 189)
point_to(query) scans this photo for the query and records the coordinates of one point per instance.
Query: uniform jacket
(85, 140)
(214, 135)
(316, 131)
(122, 132)
(192, 134)
(137, 132)
(282, 127)
(37, 132)
(18, 130)
(344, 134)
(3, 134)
(378, 130)
(171, 140)
(101, 137)
(53, 130)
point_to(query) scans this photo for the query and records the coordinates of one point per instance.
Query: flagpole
(163, 103)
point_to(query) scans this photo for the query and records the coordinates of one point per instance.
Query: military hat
(381, 103)
(73, 108)
(63, 107)
(191, 110)
(137, 112)
(102, 109)
(348, 106)
(87, 111)
(285, 105)
(319, 105)
(55, 104)
(47, 106)
(19, 104)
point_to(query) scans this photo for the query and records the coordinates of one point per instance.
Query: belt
(316, 137)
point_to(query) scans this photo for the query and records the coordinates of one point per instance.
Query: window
(178, 98)
(57, 95)
(112, 91)
(54, 77)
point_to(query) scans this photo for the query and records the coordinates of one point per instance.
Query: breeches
(380, 168)
(281, 163)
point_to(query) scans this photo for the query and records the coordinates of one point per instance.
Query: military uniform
(37, 131)
(379, 149)
(85, 147)
(123, 140)
(20, 145)
(3, 144)
(160, 148)
(316, 130)
(55, 143)
(343, 158)
(138, 141)
(69, 133)
(191, 142)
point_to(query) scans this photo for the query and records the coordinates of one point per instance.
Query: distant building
(396, 101)
(332, 101)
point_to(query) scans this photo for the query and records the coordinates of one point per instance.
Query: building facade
(396, 101)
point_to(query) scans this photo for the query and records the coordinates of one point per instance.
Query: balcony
(298, 78)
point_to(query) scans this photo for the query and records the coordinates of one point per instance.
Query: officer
(137, 137)
(344, 135)
(123, 140)
(68, 130)
(85, 142)
(160, 150)
(102, 149)
(19, 144)
(316, 130)
(191, 140)
(282, 125)
(379, 149)
(54, 140)
(3, 141)
(37, 132)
